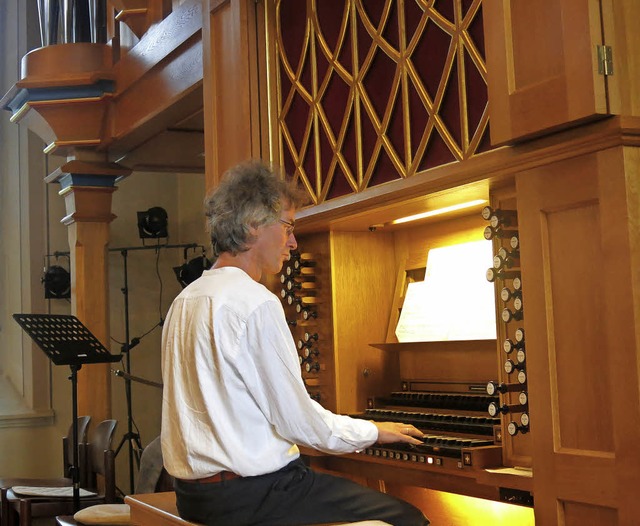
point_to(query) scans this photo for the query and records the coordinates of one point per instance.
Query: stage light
(57, 283)
(192, 270)
(153, 223)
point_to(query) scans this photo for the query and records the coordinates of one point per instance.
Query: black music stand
(66, 341)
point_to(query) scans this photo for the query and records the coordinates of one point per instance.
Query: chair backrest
(152, 477)
(67, 445)
(101, 458)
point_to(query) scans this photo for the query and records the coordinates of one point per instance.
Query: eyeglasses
(290, 226)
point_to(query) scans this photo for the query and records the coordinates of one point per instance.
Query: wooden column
(230, 63)
(87, 188)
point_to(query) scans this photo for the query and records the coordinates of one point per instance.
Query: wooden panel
(89, 302)
(619, 184)
(232, 127)
(164, 68)
(577, 514)
(155, 509)
(578, 231)
(576, 339)
(620, 30)
(363, 276)
(456, 482)
(413, 243)
(145, 106)
(472, 362)
(541, 66)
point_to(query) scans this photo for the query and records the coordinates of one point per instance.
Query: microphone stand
(130, 437)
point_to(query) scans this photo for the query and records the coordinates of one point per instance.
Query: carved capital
(64, 95)
(87, 188)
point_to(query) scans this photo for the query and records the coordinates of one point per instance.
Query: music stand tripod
(66, 341)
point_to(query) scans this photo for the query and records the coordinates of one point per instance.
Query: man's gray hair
(250, 194)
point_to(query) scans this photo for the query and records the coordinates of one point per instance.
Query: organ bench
(159, 509)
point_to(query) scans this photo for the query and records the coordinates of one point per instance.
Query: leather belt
(218, 477)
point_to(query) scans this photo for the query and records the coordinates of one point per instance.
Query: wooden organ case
(354, 112)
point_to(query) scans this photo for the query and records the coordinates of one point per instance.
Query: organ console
(455, 392)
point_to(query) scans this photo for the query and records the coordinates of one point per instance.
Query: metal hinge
(605, 60)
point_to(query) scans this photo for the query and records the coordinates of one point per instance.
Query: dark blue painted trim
(60, 93)
(104, 181)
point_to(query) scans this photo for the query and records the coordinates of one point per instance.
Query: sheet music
(455, 301)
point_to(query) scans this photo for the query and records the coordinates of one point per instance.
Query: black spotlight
(153, 223)
(57, 283)
(192, 270)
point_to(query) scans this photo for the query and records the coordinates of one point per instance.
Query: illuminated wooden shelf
(515, 478)
(432, 346)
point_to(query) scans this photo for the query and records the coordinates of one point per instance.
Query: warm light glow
(471, 511)
(439, 211)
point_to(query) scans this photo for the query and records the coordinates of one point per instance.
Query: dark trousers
(292, 496)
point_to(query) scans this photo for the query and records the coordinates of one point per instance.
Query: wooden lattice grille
(371, 91)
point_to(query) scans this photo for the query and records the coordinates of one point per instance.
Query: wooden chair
(67, 449)
(98, 477)
(152, 478)
(67, 463)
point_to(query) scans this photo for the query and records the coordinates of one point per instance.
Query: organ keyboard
(461, 441)
(459, 433)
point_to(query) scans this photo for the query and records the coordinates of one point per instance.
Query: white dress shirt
(233, 396)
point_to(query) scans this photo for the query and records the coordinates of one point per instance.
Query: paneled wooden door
(543, 66)
(578, 231)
